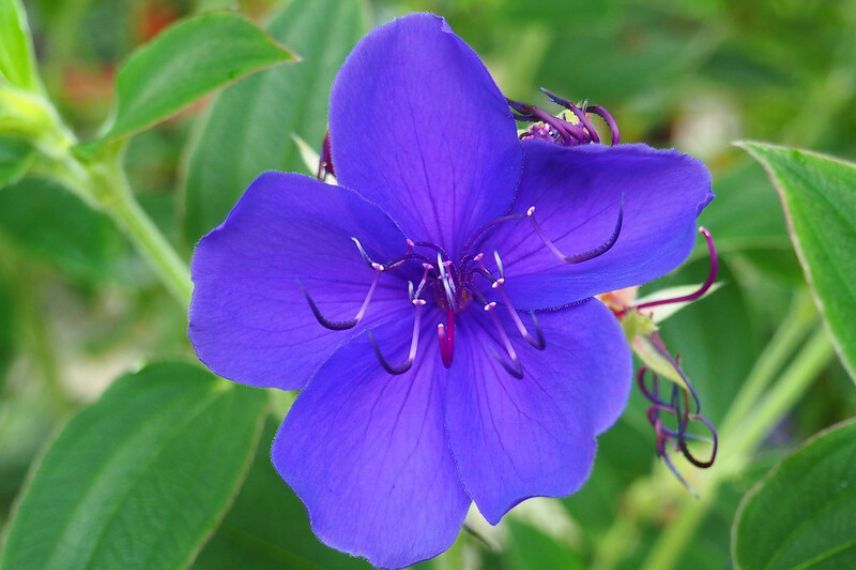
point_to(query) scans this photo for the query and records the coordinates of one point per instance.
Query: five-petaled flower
(436, 307)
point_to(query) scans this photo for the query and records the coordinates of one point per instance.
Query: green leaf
(624, 453)
(249, 128)
(819, 197)
(140, 478)
(803, 514)
(17, 64)
(15, 157)
(531, 549)
(742, 191)
(43, 219)
(267, 527)
(185, 62)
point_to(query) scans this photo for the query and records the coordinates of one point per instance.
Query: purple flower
(436, 307)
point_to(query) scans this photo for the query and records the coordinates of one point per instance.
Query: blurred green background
(78, 306)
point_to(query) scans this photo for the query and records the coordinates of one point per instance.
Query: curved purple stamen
(608, 119)
(498, 284)
(714, 440)
(399, 369)
(698, 293)
(678, 408)
(482, 231)
(570, 134)
(515, 368)
(350, 323)
(586, 255)
(579, 113)
(562, 130)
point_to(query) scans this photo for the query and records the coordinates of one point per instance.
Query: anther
(448, 285)
(341, 325)
(393, 369)
(325, 160)
(579, 113)
(587, 255)
(499, 266)
(700, 292)
(363, 252)
(515, 368)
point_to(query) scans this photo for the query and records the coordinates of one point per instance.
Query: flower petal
(249, 319)
(418, 127)
(518, 438)
(577, 193)
(367, 454)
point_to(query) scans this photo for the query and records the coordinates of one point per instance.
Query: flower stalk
(100, 181)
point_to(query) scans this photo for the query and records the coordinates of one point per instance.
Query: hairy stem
(149, 241)
(101, 182)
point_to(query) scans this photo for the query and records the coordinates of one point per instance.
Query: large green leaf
(15, 156)
(267, 527)
(819, 196)
(249, 128)
(140, 478)
(803, 514)
(185, 62)
(51, 224)
(17, 64)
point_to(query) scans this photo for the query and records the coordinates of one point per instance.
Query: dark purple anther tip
(325, 160)
(700, 292)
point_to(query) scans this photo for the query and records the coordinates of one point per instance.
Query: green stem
(150, 242)
(99, 180)
(799, 320)
(671, 544)
(811, 360)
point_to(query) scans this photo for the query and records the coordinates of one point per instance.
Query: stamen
(408, 255)
(430, 245)
(608, 119)
(396, 370)
(714, 440)
(700, 292)
(678, 408)
(479, 233)
(448, 286)
(499, 269)
(515, 368)
(325, 160)
(371, 262)
(587, 255)
(579, 113)
(342, 325)
(536, 341)
(571, 134)
(426, 267)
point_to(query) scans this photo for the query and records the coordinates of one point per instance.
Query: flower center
(452, 286)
